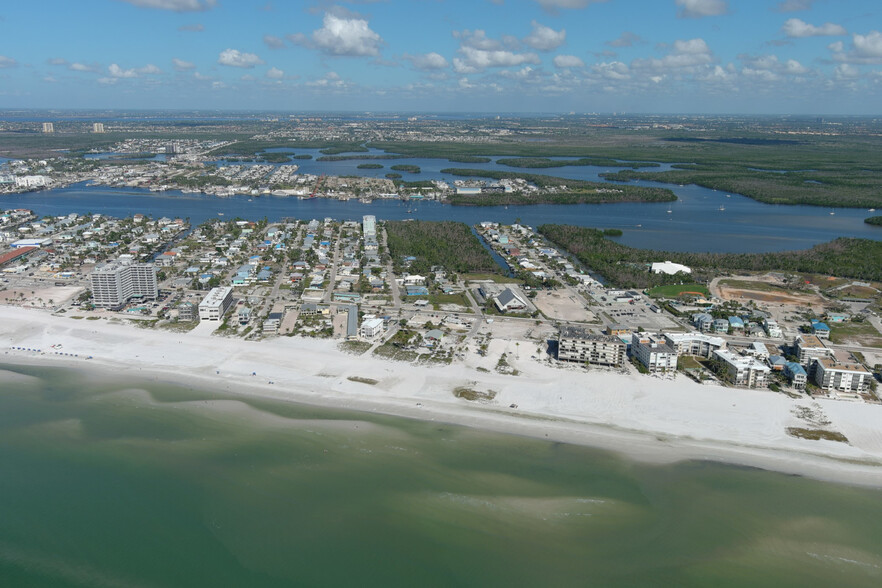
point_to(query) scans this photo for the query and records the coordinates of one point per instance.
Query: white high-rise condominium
(116, 282)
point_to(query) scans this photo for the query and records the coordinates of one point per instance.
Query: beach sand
(645, 418)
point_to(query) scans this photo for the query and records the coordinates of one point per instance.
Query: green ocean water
(115, 483)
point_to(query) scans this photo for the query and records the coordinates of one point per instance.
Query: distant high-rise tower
(171, 148)
(48, 128)
(97, 127)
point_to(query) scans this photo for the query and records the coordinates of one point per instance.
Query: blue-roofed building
(820, 330)
(736, 322)
(796, 374)
(417, 290)
(702, 321)
(777, 363)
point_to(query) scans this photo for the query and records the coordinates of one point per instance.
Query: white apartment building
(653, 353)
(841, 375)
(579, 344)
(772, 328)
(695, 343)
(215, 305)
(743, 370)
(372, 327)
(115, 283)
(809, 348)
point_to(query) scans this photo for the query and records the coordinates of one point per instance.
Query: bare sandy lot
(562, 305)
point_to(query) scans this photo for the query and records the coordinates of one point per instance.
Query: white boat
(722, 207)
(872, 210)
(220, 214)
(832, 213)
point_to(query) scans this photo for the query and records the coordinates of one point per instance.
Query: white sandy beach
(645, 418)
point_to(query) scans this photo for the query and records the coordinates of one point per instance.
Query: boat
(220, 214)
(722, 207)
(832, 213)
(872, 210)
(670, 211)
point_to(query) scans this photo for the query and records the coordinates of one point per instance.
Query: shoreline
(644, 419)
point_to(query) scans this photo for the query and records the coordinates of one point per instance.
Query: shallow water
(122, 483)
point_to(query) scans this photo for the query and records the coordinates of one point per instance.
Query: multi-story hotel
(116, 282)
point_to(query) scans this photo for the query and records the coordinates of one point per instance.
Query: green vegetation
(628, 267)
(874, 220)
(303, 156)
(447, 243)
(393, 176)
(860, 332)
(468, 159)
(356, 157)
(361, 380)
(436, 300)
(553, 190)
(677, 290)
(499, 279)
(355, 347)
(370, 166)
(473, 395)
(816, 434)
(612, 232)
(413, 169)
(275, 157)
(343, 147)
(753, 286)
(543, 162)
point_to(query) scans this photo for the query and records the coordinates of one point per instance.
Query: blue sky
(638, 56)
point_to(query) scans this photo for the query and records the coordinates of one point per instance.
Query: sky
(626, 56)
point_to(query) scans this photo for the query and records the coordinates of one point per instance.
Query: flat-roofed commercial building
(579, 344)
(116, 282)
(215, 305)
(744, 370)
(835, 374)
(652, 351)
(809, 348)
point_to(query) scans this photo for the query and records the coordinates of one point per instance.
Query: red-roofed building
(15, 254)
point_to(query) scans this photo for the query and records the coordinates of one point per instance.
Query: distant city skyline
(664, 56)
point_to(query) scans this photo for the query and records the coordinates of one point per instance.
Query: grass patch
(355, 347)
(361, 380)
(861, 332)
(474, 395)
(677, 290)
(179, 327)
(816, 434)
(93, 318)
(753, 286)
(77, 317)
(438, 299)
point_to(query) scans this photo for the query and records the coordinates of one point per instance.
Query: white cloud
(794, 67)
(192, 28)
(683, 55)
(473, 60)
(181, 65)
(554, 5)
(626, 39)
(615, 70)
(201, 77)
(796, 28)
(343, 35)
(235, 58)
(331, 80)
(563, 61)
(174, 5)
(545, 38)
(868, 46)
(478, 39)
(701, 8)
(83, 67)
(427, 62)
(275, 74)
(844, 71)
(118, 72)
(794, 5)
(57, 61)
(150, 70)
(865, 49)
(273, 42)
(6, 62)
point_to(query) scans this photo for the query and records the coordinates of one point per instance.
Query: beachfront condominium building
(97, 127)
(809, 348)
(216, 304)
(48, 127)
(579, 344)
(841, 374)
(369, 228)
(652, 351)
(697, 344)
(743, 370)
(116, 282)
